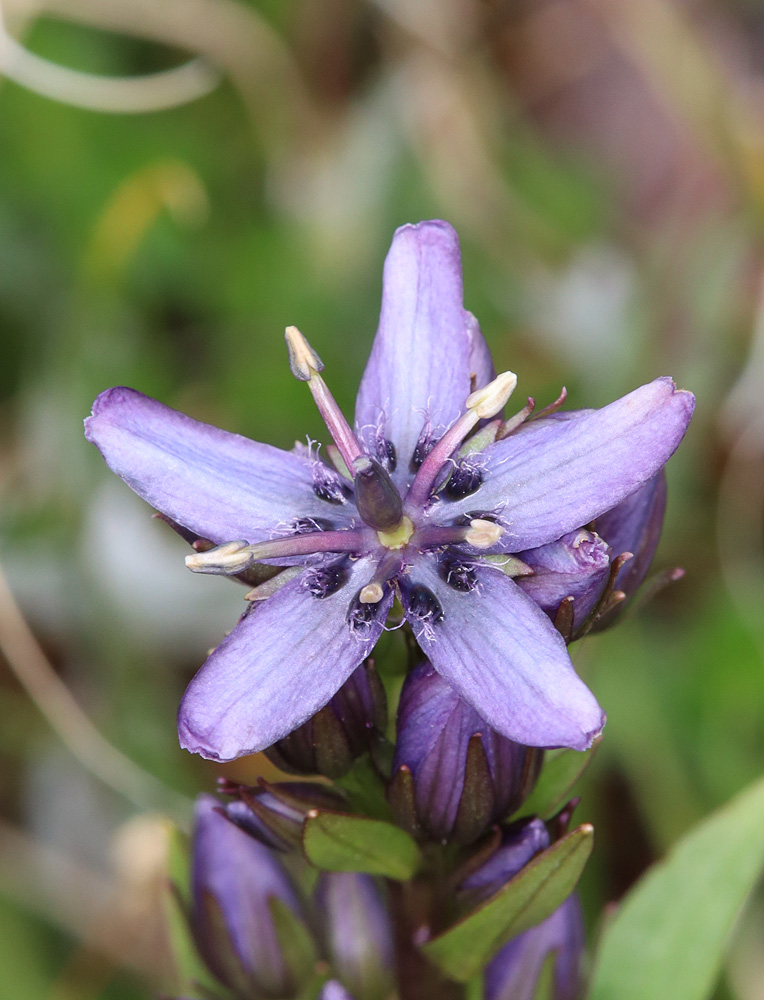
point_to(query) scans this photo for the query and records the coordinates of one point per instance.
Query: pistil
(306, 365)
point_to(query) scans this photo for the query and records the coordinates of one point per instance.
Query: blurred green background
(603, 162)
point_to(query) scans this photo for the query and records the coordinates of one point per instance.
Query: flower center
(399, 536)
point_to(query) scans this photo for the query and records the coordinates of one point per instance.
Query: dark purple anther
(376, 495)
(461, 774)
(237, 885)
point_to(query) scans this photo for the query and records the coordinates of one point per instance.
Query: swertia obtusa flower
(430, 498)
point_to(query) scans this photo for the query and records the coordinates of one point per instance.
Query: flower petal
(482, 370)
(635, 526)
(419, 367)
(280, 665)
(504, 657)
(558, 473)
(576, 565)
(219, 485)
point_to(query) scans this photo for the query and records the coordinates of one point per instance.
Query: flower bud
(359, 934)
(246, 918)
(576, 565)
(452, 774)
(344, 729)
(274, 814)
(634, 526)
(515, 971)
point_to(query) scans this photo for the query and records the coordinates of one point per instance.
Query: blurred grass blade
(669, 936)
(527, 899)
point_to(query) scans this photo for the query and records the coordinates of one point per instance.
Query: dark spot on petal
(458, 574)
(386, 454)
(362, 616)
(306, 525)
(326, 580)
(328, 486)
(424, 605)
(464, 480)
(423, 448)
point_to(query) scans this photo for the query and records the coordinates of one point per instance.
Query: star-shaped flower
(430, 498)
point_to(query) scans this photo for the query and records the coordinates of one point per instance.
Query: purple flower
(464, 776)
(344, 729)
(236, 884)
(515, 971)
(413, 501)
(359, 934)
(513, 974)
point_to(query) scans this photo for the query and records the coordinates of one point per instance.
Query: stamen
(478, 532)
(234, 557)
(480, 405)
(306, 365)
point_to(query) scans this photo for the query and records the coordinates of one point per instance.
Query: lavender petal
(505, 658)
(281, 664)
(219, 485)
(418, 372)
(635, 526)
(558, 473)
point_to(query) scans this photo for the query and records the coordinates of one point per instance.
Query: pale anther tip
(487, 402)
(303, 360)
(372, 593)
(482, 534)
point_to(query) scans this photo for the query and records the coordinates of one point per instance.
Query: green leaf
(561, 771)
(295, 941)
(335, 842)
(527, 899)
(668, 938)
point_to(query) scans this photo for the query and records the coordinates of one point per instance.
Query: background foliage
(603, 162)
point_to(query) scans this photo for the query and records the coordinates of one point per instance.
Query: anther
(483, 534)
(305, 365)
(372, 593)
(303, 360)
(487, 402)
(227, 559)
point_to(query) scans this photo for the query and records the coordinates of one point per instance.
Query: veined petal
(503, 655)
(576, 565)
(635, 526)
(419, 367)
(482, 370)
(280, 665)
(221, 486)
(558, 473)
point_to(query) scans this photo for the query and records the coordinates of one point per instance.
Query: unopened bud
(342, 730)
(486, 402)
(453, 776)
(359, 933)
(274, 814)
(238, 886)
